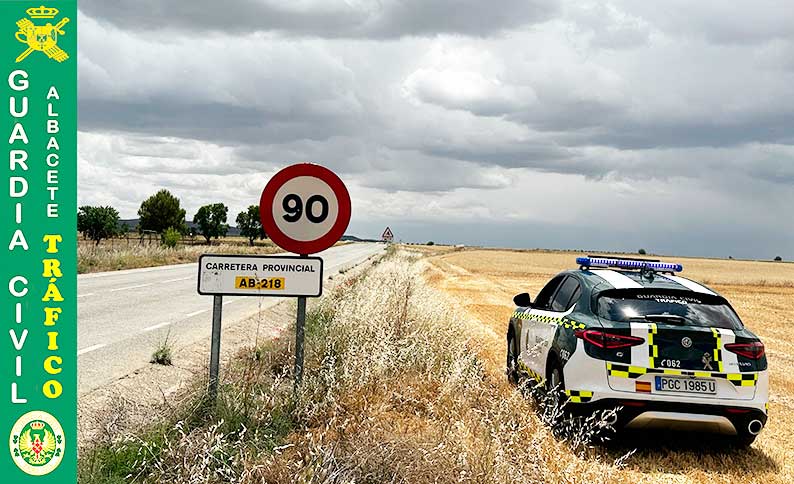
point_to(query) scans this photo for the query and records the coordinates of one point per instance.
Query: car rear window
(692, 309)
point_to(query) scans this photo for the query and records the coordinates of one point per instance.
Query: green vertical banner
(38, 265)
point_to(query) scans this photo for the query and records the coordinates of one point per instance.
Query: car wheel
(556, 380)
(512, 360)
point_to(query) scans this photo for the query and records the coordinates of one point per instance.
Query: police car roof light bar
(620, 263)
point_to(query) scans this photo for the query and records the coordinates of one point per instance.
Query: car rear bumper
(644, 414)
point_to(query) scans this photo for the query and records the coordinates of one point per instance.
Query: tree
(98, 223)
(778, 259)
(211, 220)
(161, 211)
(250, 224)
(641, 252)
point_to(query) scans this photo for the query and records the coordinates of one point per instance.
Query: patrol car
(631, 333)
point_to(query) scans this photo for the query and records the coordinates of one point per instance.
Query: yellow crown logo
(37, 425)
(42, 12)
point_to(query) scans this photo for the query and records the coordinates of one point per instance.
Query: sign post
(305, 209)
(215, 345)
(387, 236)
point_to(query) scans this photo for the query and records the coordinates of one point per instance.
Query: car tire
(556, 378)
(512, 360)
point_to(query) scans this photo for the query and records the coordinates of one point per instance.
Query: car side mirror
(523, 300)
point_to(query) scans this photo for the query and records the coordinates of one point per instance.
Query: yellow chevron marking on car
(532, 374)
(718, 349)
(653, 350)
(624, 371)
(559, 321)
(579, 396)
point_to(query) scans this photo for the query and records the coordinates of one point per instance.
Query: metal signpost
(305, 209)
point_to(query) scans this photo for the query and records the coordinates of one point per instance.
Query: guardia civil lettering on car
(630, 333)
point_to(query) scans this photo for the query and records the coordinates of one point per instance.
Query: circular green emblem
(37, 443)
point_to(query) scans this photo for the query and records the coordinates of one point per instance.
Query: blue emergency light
(605, 262)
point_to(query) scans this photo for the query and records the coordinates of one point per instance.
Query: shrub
(162, 354)
(431, 243)
(778, 259)
(641, 252)
(171, 237)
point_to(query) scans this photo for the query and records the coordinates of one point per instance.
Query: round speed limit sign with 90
(305, 208)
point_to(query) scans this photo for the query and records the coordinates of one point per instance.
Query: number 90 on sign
(305, 208)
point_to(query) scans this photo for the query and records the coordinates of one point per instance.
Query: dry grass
(114, 257)
(405, 383)
(483, 283)
(394, 391)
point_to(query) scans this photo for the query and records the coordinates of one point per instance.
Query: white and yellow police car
(630, 333)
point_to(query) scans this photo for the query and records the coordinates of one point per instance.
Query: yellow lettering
(52, 243)
(53, 341)
(52, 389)
(51, 316)
(52, 268)
(50, 365)
(52, 294)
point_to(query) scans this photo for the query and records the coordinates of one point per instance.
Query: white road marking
(85, 295)
(196, 313)
(130, 287)
(90, 349)
(156, 326)
(177, 280)
(229, 302)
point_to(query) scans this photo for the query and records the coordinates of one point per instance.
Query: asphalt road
(123, 315)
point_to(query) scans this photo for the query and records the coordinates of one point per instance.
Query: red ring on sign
(304, 246)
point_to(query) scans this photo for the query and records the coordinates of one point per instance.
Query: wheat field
(483, 282)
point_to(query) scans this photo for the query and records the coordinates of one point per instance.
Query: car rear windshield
(674, 307)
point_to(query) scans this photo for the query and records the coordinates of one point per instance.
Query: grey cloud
(335, 19)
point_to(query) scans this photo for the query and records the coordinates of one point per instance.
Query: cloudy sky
(665, 125)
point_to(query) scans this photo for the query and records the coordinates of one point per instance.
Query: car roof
(599, 280)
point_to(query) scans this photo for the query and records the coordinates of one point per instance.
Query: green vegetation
(160, 212)
(641, 252)
(250, 224)
(162, 354)
(211, 220)
(97, 223)
(171, 237)
(778, 259)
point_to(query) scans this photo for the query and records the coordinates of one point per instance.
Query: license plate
(704, 386)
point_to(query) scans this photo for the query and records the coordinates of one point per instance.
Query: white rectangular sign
(243, 275)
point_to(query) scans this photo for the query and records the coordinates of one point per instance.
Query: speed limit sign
(305, 208)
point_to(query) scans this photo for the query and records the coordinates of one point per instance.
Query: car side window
(544, 297)
(563, 297)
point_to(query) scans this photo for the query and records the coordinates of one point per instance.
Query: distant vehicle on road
(630, 333)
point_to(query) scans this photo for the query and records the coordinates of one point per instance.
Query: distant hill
(132, 223)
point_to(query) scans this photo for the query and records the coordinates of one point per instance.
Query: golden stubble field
(483, 283)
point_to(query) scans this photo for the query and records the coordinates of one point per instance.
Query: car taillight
(754, 350)
(609, 341)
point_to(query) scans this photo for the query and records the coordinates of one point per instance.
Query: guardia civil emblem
(37, 443)
(42, 38)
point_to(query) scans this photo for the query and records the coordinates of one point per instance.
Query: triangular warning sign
(387, 235)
